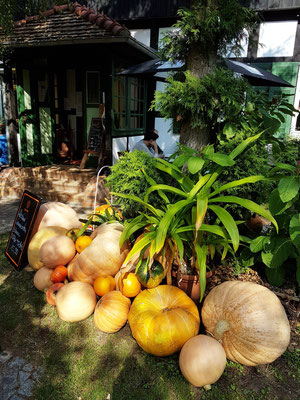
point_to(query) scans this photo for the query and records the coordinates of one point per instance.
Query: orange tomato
(82, 242)
(59, 274)
(104, 284)
(129, 285)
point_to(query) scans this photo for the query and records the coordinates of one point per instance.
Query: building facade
(275, 47)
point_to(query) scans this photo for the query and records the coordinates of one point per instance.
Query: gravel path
(17, 377)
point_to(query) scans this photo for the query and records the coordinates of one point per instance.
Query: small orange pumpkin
(129, 285)
(59, 274)
(111, 312)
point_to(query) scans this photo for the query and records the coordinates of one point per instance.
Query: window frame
(127, 130)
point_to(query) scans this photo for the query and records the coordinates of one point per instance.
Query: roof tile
(63, 23)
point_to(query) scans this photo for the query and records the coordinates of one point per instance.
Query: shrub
(127, 177)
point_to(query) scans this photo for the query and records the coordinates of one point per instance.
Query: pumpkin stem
(207, 387)
(221, 327)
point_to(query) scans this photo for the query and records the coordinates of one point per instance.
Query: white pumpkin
(75, 301)
(249, 320)
(202, 360)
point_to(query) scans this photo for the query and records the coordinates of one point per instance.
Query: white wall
(277, 39)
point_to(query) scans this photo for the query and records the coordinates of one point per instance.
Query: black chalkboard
(95, 135)
(16, 248)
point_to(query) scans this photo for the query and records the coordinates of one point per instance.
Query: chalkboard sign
(16, 249)
(95, 135)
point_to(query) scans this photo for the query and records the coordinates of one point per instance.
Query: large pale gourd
(162, 319)
(111, 312)
(102, 257)
(249, 320)
(58, 250)
(42, 279)
(33, 252)
(202, 360)
(54, 213)
(75, 301)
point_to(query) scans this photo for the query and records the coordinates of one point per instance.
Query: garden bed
(80, 362)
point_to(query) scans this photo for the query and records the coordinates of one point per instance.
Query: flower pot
(188, 283)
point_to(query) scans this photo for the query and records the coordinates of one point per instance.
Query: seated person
(149, 145)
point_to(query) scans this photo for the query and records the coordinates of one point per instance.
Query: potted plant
(193, 224)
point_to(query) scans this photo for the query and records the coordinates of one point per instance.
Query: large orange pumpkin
(162, 319)
(111, 312)
(249, 320)
(102, 257)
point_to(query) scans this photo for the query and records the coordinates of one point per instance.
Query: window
(93, 87)
(142, 35)
(129, 101)
(277, 39)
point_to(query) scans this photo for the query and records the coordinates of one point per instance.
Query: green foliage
(127, 177)
(215, 98)
(276, 250)
(217, 24)
(260, 114)
(198, 225)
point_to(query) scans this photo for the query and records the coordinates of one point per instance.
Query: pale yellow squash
(162, 319)
(249, 320)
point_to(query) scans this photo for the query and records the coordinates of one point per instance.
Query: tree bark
(200, 62)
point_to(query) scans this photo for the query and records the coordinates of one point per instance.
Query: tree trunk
(200, 62)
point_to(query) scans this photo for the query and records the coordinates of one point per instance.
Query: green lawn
(80, 362)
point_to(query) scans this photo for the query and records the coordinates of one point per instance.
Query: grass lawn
(80, 362)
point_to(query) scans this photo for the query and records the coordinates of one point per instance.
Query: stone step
(58, 172)
(79, 191)
(63, 185)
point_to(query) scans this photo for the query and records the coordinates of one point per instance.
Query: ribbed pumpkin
(38, 240)
(102, 257)
(75, 301)
(202, 360)
(111, 312)
(249, 320)
(150, 276)
(162, 319)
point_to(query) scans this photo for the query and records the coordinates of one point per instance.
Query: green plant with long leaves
(280, 250)
(196, 225)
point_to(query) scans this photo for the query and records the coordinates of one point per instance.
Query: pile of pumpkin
(244, 322)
